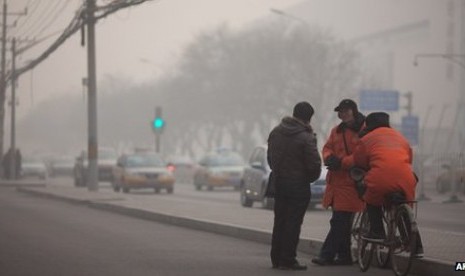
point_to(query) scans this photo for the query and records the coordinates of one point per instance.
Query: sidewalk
(443, 249)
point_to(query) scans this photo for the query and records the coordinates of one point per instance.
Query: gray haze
(229, 86)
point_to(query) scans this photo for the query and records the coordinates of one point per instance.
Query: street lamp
(454, 58)
(285, 14)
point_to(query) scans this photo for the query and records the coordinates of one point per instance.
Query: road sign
(380, 100)
(410, 128)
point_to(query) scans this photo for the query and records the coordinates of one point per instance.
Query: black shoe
(321, 261)
(419, 254)
(295, 266)
(343, 262)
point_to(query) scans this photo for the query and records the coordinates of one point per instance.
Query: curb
(424, 266)
(41, 184)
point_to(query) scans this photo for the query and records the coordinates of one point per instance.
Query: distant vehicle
(255, 182)
(183, 168)
(317, 189)
(222, 168)
(61, 166)
(106, 161)
(33, 167)
(444, 182)
(142, 170)
(255, 179)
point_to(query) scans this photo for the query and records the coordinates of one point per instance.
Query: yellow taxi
(142, 170)
(223, 168)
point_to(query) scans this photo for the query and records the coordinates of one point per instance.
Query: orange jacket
(340, 191)
(387, 156)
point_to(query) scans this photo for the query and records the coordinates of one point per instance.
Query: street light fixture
(454, 58)
(285, 14)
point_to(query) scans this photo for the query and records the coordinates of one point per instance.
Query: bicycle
(360, 224)
(401, 233)
(381, 252)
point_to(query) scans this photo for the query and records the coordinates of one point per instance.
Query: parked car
(142, 170)
(222, 168)
(33, 167)
(61, 166)
(106, 161)
(255, 182)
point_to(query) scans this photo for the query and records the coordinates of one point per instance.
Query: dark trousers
(375, 215)
(337, 242)
(289, 214)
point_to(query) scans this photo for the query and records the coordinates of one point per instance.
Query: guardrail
(442, 173)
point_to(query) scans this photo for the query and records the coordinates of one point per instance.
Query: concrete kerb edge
(45, 194)
(425, 266)
(18, 185)
(196, 224)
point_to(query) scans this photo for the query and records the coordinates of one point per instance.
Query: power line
(75, 25)
(57, 14)
(35, 18)
(31, 11)
(40, 20)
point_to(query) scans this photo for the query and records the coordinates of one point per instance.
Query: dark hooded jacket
(293, 157)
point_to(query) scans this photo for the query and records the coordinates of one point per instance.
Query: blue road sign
(380, 100)
(410, 129)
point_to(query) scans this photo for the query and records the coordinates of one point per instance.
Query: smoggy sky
(144, 42)
(139, 43)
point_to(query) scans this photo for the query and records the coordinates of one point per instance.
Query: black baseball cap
(346, 104)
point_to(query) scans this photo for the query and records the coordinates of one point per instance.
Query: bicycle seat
(395, 198)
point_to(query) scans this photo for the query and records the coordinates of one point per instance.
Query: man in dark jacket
(294, 159)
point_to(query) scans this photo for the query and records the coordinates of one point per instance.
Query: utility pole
(90, 18)
(13, 112)
(92, 147)
(2, 85)
(3, 82)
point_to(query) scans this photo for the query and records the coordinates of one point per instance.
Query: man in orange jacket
(387, 157)
(340, 192)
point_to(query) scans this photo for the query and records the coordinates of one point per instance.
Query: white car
(33, 167)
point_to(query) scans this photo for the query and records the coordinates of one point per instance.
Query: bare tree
(229, 90)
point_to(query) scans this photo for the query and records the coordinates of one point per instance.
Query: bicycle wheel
(364, 248)
(404, 240)
(354, 235)
(383, 251)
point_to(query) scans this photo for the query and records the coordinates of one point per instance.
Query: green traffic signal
(158, 123)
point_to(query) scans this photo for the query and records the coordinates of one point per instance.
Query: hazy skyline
(142, 43)
(139, 43)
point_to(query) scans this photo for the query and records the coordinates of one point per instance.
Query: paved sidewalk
(443, 248)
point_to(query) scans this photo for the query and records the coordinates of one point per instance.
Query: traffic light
(158, 123)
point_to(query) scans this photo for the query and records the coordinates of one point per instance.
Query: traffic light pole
(157, 142)
(158, 128)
